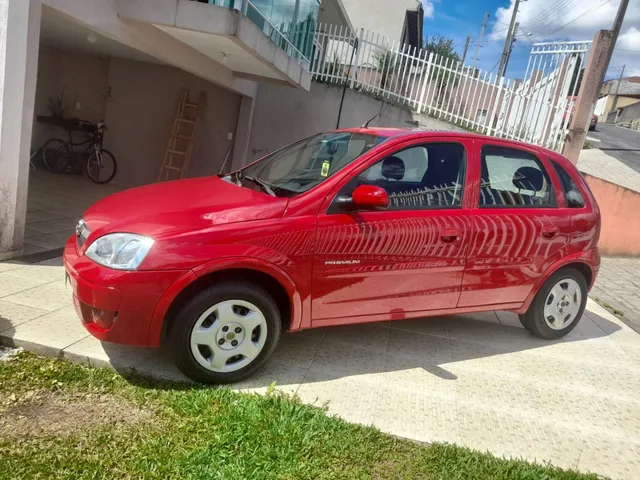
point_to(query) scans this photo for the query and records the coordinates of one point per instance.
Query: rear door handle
(550, 231)
(449, 235)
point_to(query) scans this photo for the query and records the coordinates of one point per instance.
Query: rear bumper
(115, 306)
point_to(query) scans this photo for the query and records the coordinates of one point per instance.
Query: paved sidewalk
(475, 380)
(598, 164)
(618, 285)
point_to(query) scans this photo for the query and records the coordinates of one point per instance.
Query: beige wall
(283, 115)
(140, 114)
(619, 206)
(138, 102)
(82, 78)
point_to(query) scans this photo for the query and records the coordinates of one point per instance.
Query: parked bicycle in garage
(65, 156)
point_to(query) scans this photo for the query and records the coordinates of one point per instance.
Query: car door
(518, 229)
(407, 258)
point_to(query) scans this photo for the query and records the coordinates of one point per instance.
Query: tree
(443, 48)
(386, 65)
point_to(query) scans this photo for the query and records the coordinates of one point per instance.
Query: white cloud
(574, 20)
(428, 7)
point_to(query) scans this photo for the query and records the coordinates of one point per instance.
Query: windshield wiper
(266, 188)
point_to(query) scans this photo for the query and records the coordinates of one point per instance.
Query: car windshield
(305, 164)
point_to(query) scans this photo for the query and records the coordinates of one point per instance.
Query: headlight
(121, 251)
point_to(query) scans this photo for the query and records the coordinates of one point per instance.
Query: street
(618, 142)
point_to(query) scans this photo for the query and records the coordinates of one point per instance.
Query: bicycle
(61, 155)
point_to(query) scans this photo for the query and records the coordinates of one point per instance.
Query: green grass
(209, 433)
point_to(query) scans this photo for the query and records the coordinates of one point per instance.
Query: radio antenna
(382, 107)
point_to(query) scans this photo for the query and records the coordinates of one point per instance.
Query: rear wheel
(558, 305)
(102, 166)
(56, 154)
(225, 333)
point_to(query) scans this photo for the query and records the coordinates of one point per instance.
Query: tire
(94, 169)
(206, 327)
(55, 155)
(565, 306)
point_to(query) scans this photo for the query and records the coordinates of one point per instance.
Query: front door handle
(449, 235)
(550, 231)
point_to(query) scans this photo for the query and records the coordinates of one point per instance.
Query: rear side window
(572, 195)
(513, 178)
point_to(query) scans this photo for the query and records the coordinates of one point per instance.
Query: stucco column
(243, 134)
(19, 42)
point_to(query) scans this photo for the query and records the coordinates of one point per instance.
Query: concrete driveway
(475, 380)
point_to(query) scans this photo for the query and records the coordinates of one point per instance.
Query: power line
(539, 20)
(596, 6)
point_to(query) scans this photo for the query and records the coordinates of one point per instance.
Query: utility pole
(615, 96)
(484, 24)
(466, 47)
(513, 40)
(509, 40)
(617, 25)
(588, 94)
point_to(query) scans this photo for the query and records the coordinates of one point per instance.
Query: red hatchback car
(350, 226)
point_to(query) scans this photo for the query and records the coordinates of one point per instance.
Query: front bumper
(115, 306)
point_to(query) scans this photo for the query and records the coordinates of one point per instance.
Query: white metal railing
(253, 13)
(536, 109)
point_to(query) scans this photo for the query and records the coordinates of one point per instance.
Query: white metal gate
(536, 109)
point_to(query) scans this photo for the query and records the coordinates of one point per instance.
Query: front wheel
(558, 305)
(101, 166)
(225, 333)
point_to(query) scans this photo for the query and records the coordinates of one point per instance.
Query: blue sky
(544, 20)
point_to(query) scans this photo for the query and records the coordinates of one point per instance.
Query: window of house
(420, 177)
(513, 178)
(572, 196)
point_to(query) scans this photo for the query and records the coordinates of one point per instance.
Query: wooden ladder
(178, 154)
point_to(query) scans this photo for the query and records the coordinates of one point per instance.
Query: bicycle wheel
(56, 155)
(102, 168)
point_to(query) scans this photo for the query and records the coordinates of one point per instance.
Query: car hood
(179, 206)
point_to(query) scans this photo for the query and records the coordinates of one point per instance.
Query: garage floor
(55, 203)
(476, 380)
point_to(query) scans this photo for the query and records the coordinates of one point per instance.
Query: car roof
(393, 132)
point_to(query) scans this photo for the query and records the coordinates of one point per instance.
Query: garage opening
(85, 78)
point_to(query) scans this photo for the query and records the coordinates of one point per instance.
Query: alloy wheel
(563, 304)
(228, 336)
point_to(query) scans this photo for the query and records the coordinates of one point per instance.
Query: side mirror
(369, 197)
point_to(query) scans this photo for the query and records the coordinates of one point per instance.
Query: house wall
(630, 113)
(83, 81)
(140, 113)
(138, 102)
(605, 109)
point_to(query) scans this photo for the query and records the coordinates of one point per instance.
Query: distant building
(397, 20)
(628, 94)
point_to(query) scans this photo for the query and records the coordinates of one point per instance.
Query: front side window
(513, 178)
(305, 164)
(416, 178)
(572, 195)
